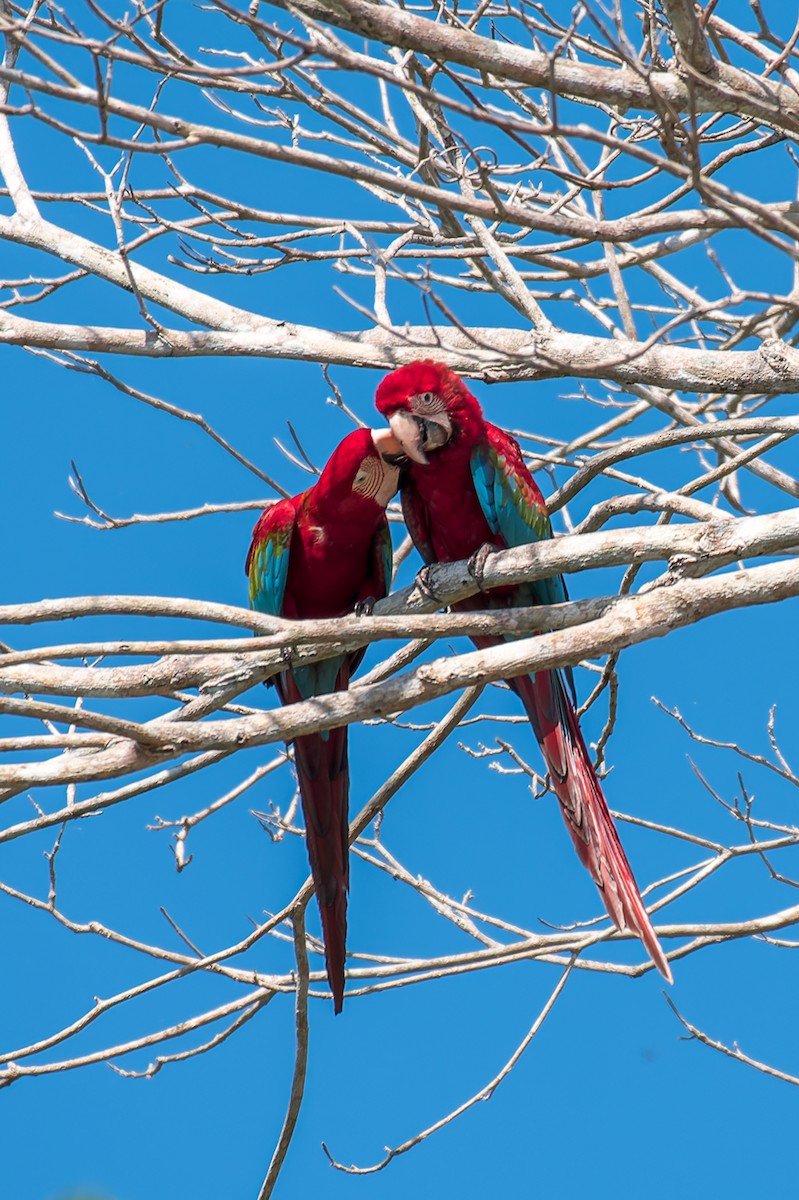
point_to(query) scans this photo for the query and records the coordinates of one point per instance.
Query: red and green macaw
(319, 554)
(467, 487)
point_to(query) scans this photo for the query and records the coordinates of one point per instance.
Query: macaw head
(362, 465)
(427, 406)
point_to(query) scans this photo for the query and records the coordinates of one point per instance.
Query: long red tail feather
(323, 775)
(584, 806)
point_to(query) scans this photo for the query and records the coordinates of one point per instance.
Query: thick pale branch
(631, 620)
(729, 90)
(696, 547)
(691, 41)
(515, 354)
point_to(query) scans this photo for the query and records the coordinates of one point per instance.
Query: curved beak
(387, 445)
(419, 434)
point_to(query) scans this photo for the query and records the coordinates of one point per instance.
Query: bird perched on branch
(320, 554)
(467, 492)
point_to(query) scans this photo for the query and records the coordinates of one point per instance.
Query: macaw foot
(365, 607)
(423, 583)
(477, 563)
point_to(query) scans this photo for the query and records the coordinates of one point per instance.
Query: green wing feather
(267, 563)
(512, 503)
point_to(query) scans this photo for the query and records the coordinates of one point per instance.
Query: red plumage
(467, 485)
(318, 554)
(322, 766)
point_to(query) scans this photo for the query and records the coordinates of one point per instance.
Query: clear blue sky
(610, 1100)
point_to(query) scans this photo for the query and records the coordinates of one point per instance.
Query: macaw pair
(465, 491)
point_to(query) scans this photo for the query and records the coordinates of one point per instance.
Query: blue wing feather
(267, 563)
(515, 510)
(267, 567)
(512, 503)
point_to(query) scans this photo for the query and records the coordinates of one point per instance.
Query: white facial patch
(427, 404)
(376, 479)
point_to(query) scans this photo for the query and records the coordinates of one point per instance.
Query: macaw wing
(267, 562)
(382, 555)
(377, 582)
(511, 502)
(416, 520)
